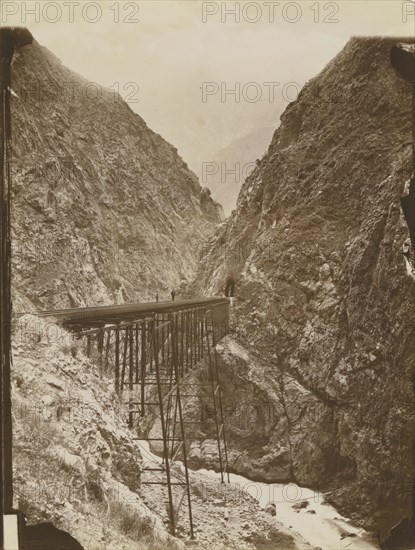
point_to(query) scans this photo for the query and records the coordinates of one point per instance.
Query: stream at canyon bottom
(318, 523)
(301, 510)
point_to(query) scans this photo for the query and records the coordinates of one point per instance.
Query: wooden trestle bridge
(149, 349)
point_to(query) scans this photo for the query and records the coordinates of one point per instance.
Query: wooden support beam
(163, 429)
(117, 360)
(159, 351)
(124, 357)
(137, 355)
(182, 353)
(107, 351)
(100, 347)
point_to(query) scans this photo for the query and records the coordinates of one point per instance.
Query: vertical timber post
(215, 412)
(202, 329)
(107, 351)
(131, 376)
(180, 410)
(222, 416)
(187, 340)
(100, 350)
(137, 355)
(117, 359)
(124, 358)
(181, 344)
(163, 430)
(143, 364)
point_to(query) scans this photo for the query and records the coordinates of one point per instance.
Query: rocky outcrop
(76, 464)
(78, 469)
(323, 315)
(226, 173)
(103, 209)
(210, 208)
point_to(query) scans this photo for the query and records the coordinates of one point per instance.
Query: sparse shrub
(95, 490)
(130, 522)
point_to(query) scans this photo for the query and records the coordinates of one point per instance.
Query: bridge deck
(129, 311)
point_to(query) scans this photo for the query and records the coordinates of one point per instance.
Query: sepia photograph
(207, 264)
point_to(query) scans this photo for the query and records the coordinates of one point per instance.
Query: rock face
(78, 469)
(322, 352)
(76, 464)
(231, 165)
(103, 209)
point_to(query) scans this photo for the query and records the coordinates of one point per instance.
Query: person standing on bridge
(157, 296)
(173, 295)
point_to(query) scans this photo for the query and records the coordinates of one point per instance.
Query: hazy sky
(166, 53)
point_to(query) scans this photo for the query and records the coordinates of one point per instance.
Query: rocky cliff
(231, 165)
(104, 210)
(78, 468)
(319, 366)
